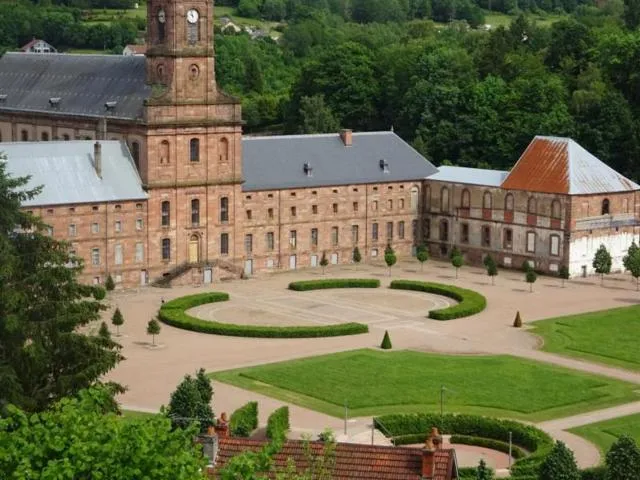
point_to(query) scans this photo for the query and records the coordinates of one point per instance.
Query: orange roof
(138, 49)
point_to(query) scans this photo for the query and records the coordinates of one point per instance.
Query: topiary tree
(633, 248)
(492, 268)
(117, 320)
(191, 402)
(357, 258)
(633, 265)
(526, 266)
(602, 262)
(422, 255)
(531, 278)
(109, 284)
(457, 262)
(104, 331)
(623, 460)
(323, 261)
(454, 253)
(563, 273)
(386, 341)
(518, 321)
(99, 293)
(153, 329)
(560, 464)
(390, 257)
(483, 472)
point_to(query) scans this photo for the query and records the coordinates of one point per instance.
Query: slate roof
(83, 83)
(67, 173)
(560, 165)
(278, 161)
(470, 176)
(352, 461)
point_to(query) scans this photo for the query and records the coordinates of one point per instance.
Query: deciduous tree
(602, 262)
(531, 278)
(563, 273)
(422, 255)
(390, 257)
(153, 329)
(457, 261)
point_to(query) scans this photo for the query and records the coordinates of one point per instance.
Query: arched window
(166, 214)
(444, 199)
(24, 136)
(44, 136)
(165, 155)
(487, 201)
(444, 231)
(135, 153)
(466, 199)
(605, 207)
(414, 199)
(166, 249)
(532, 206)
(223, 149)
(194, 150)
(555, 209)
(195, 212)
(224, 209)
(508, 203)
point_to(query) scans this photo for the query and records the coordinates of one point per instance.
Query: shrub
(173, 313)
(334, 283)
(244, 420)
(470, 302)
(500, 446)
(109, 284)
(278, 424)
(117, 320)
(595, 473)
(386, 341)
(153, 329)
(518, 321)
(99, 293)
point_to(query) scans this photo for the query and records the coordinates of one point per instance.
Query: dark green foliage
(457, 261)
(500, 446)
(483, 472)
(316, 116)
(386, 341)
(117, 320)
(99, 293)
(191, 403)
(526, 266)
(324, 261)
(595, 473)
(563, 273)
(623, 460)
(357, 257)
(455, 252)
(518, 321)
(153, 329)
(560, 464)
(470, 302)
(104, 331)
(306, 285)
(278, 424)
(109, 284)
(633, 265)
(602, 262)
(531, 277)
(633, 248)
(244, 420)
(422, 255)
(390, 257)
(173, 313)
(492, 267)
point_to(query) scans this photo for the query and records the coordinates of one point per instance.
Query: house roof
(278, 161)
(560, 165)
(67, 173)
(137, 49)
(82, 83)
(352, 461)
(25, 48)
(470, 176)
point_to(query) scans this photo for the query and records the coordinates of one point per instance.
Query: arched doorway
(194, 249)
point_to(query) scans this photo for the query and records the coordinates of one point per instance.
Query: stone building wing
(559, 165)
(470, 176)
(66, 84)
(68, 174)
(301, 161)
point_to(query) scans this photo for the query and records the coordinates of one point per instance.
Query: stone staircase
(179, 270)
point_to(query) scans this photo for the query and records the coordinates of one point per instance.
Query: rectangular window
(195, 212)
(270, 242)
(389, 230)
(507, 241)
(401, 230)
(248, 244)
(374, 232)
(355, 234)
(139, 252)
(118, 226)
(464, 233)
(194, 150)
(555, 245)
(139, 224)
(531, 242)
(390, 204)
(50, 231)
(224, 209)
(314, 209)
(293, 211)
(166, 249)
(270, 213)
(401, 203)
(314, 237)
(293, 239)
(95, 227)
(335, 208)
(95, 256)
(355, 206)
(224, 244)
(426, 229)
(117, 252)
(486, 236)
(374, 205)
(249, 214)
(166, 214)
(334, 236)
(72, 230)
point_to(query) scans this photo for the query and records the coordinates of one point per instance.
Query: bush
(244, 420)
(595, 473)
(386, 341)
(173, 313)
(500, 446)
(109, 284)
(518, 321)
(470, 302)
(278, 424)
(99, 293)
(334, 283)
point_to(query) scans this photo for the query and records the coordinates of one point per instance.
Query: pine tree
(531, 278)
(518, 321)
(386, 341)
(560, 464)
(104, 331)
(422, 255)
(153, 329)
(623, 460)
(109, 284)
(357, 258)
(483, 472)
(191, 402)
(117, 320)
(602, 262)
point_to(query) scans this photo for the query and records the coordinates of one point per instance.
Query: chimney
(97, 158)
(346, 137)
(433, 443)
(222, 426)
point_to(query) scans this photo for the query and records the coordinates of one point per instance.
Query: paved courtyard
(152, 374)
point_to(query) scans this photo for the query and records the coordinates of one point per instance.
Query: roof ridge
(313, 135)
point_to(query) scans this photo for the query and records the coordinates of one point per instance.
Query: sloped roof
(137, 49)
(470, 176)
(83, 83)
(278, 161)
(67, 173)
(352, 461)
(560, 165)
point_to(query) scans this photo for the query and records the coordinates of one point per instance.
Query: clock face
(162, 17)
(192, 16)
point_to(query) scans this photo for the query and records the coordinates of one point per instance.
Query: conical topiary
(109, 284)
(386, 341)
(518, 321)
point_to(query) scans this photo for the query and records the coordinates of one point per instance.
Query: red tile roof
(137, 49)
(352, 461)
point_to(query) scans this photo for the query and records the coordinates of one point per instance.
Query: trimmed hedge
(306, 285)
(500, 446)
(470, 302)
(174, 313)
(244, 420)
(278, 424)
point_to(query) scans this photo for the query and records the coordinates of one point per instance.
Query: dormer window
(308, 169)
(110, 106)
(54, 101)
(384, 165)
(3, 97)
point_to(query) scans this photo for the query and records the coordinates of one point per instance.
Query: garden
(604, 434)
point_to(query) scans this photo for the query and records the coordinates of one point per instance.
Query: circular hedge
(470, 302)
(174, 313)
(334, 283)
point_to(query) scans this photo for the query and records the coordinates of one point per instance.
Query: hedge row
(278, 424)
(244, 420)
(334, 283)
(174, 313)
(499, 445)
(470, 302)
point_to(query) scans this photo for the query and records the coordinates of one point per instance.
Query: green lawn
(497, 19)
(603, 434)
(607, 336)
(374, 383)
(134, 414)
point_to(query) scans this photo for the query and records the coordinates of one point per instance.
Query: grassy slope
(374, 382)
(607, 336)
(603, 434)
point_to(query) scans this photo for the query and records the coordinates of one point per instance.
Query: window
(390, 204)
(427, 198)
(464, 233)
(355, 234)
(50, 231)
(165, 214)
(314, 237)
(270, 195)
(605, 207)
(135, 153)
(508, 202)
(334, 236)
(224, 244)
(355, 206)
(314, 209)
(335, 190)
(72, 209)
(223, 149)
(72, 230)
(270, 242)
(118, 208)
(401, 204)
(293, 194)
(554, 245)
(487, 201)
(44, 136)
(165, 155)
(249, 214)
(248, 244)
(414, 199)
(166, 249)
(139, 252)
(293, 239)
(401, 230)
(117, 253)
(531, 206)
(426, 227)
(95, 256)
(95, 227)
(444, 231)
(224, 209)
(194, 150)
(374, 205)
(531, 242)
(389, 230)
(555, 209)
(507, 239)
(139, 224)
(335, 208)
(50, 211)
(65, 137)
(374, 232)
(138, 206)
(118, 226)
(95, 208)
(294, 211)
(195, 212)
(270, 213)
(486, 236)
(24, 136)
(444, 199)
(465, 201)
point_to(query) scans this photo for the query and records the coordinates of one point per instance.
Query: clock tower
(193, 169)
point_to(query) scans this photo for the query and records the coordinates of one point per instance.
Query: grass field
(607, 336)
(134, 414)
(373, 382)
(497, 19)
(603, 434)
